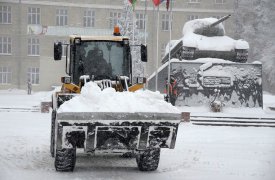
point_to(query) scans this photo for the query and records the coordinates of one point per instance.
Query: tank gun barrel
(220, 20)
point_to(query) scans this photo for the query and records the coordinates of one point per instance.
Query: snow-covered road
(201, 152)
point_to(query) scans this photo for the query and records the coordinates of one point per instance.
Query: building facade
(28, 29)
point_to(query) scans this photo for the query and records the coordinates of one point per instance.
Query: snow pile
(92, 99)
(215, 43)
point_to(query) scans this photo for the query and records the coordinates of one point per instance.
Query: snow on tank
(203, 38)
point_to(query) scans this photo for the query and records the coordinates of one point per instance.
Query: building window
(89, 18)
(5, 15)
(165, 22)
(33, 75)
(5, 45)
(140, 20)
(220, 1)
(33, 15)
(5, 75)
(33, 47)
(194, 1)
(61, 17)
(114, 16)
(192, 17)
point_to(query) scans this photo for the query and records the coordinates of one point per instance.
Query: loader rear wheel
(148, 160)
(53, 133)
(65, 159)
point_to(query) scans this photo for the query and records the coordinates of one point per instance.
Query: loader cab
(99, 58)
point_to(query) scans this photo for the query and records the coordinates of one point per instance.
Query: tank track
(188, 53)
(241, 55)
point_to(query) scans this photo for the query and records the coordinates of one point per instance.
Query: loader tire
(53, 133)
(65, 159)
(148, 160)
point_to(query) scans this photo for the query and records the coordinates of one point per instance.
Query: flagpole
(134, 26)
(145, 23)
(153, 35)
(145, 32)
(170, 37)
(157, 57)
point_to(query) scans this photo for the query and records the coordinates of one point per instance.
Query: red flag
(157, 2)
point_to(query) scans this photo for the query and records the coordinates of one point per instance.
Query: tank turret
(212, 29)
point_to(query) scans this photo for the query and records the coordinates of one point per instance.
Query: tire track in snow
(19, 153)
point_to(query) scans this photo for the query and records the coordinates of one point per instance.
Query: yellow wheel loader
(106, 60)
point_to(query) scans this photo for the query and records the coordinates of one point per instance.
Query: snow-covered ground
(202, 152)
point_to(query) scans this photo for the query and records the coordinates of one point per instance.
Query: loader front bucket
(116, 131)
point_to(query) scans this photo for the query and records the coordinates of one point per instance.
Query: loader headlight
(66, 80)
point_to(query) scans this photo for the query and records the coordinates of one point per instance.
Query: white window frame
(5, 14)
(33, 46)
(220, 1)
(89, 18)
(140, 20)
(33, 75)
(34, 15)
(114, 16)
(5, 75)
(61, 17)
(165, 21)
(5, 45)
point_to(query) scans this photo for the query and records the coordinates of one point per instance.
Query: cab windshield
(101, 60)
